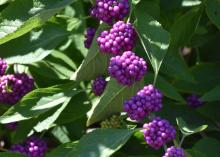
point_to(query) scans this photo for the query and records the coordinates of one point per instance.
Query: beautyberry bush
(109, 78)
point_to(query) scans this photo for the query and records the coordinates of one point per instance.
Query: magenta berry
(194, 101)
(110, 11)
(11, 126)
(32, 147)
(174, 152)
(117, 40)
(99, 85)
(14, 87)
(147, 100)
(3, 66)
(158, 132)
(90, 33)
(128, 68)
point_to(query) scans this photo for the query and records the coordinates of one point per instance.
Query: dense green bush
(178, 39)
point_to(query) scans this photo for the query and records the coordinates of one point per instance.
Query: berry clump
(114, 122)
(158, 132)
(118, 39)
(194, 101)
(3, 66)
(14, 87)
(128, 68)
(110, 11)
(174, 152)
(32, 147)
(99, 85)
(90, 33)
(147, 100)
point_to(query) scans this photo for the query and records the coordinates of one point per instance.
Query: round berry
(174, 152)
(89, 35)
(118, 39)
(146, 101)
(99, 85)
(114, 122)
(11, 126)
(110, 11)
(18, 148)
(3, 66)
(14, 87)
(194, 101)
(128, 68)
(158, 132)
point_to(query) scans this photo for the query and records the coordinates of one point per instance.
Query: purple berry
(158, 132)
(117, 40)
(18, 148)
(14, 87)
(3, 66)
(11, 126)
(90, 33)
(128, 68)
(174, 152)
(99, 85)
(194, 101)
(32, 147)
(147, 100)
(110, 11)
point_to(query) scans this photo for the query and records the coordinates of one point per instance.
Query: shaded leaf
(186, 130)
(212, 95)
(213, 11)
(8, 154)
(101, 143)
(112, 100)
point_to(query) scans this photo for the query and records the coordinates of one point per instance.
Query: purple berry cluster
(118, 39)
(174, 152)
(158, 132)
(99, 85)
(194, 101)
(14, 87)
(110, 11)
(3, 66)
(146, 101)
(90, 33)
(32, 147)
(127, 68)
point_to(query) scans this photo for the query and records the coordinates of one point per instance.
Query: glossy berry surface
(3, 66)
(194, 101)
(158, 132)
(110, 11)
(174, 152)
(14, 87)
(118, 39)
(99, 85)
(89, 35)
(128, 68)
(146, 101)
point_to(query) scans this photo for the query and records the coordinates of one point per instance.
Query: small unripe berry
(114, 122)
(158, 132)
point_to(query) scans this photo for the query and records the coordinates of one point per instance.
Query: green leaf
(62, 150)
(33, 46)
(101, 143)
(195, 153)
(95, 63)
(167, 88)
(154, 38)
(186, 130)
(38, 101)
(112, 100)
(213, 11)
(8, 154)
(4, 1)
(213, 95)
(17, 19)
(61, 134)
(208, 146)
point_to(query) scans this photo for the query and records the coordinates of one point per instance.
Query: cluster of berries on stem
(99, 85)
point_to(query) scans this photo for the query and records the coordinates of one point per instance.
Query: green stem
(198, 59)
(155, 77)
(182, 140)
